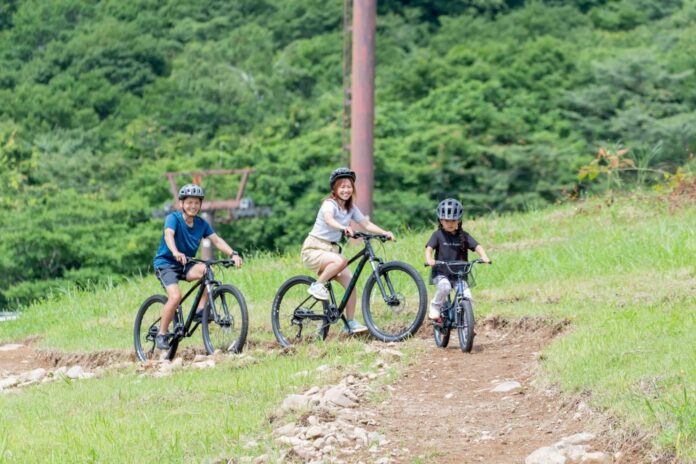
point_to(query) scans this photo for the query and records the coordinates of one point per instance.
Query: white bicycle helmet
(191, 190)
(450, 209)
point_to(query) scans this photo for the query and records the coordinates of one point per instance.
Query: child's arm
(482, 253)
(222, 245)
(171, 244)
(429, 256)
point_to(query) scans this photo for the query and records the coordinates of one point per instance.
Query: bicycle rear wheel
(398, 313)
(466, 326)
(226, 322)
(297, 317)
(147, 322)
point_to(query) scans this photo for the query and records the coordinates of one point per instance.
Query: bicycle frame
(207, 282)
(364, 255)
(460, 288)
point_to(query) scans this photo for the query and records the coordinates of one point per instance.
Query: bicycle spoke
(296, 316)
(399, 311)
(225, 325)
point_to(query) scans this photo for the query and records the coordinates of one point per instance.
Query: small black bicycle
(394, 301)
(224, 321)
(458, 312)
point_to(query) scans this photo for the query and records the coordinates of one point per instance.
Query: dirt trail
(442, 408)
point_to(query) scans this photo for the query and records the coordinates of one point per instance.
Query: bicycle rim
(466, 329)
(292, 308)
(147, 322)
(225, 323)
(400, 312)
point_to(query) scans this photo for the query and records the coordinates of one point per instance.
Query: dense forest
(497, 102)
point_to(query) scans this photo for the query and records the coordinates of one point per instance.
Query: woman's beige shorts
(314, 250)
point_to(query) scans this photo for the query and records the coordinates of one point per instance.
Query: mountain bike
(224, 320)
(393, 301)
(458, 312)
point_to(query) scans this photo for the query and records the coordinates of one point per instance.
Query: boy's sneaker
(162, 341)
(353, 327)
(318, 291)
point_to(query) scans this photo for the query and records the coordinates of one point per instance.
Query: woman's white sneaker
(318, 291)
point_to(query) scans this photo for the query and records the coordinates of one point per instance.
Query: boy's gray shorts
(172, 273)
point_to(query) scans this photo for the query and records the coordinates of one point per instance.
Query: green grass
(623, 274)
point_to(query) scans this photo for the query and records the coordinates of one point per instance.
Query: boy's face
(191, 205)
(450, 225)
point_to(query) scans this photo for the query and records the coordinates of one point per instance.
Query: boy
(183, 232)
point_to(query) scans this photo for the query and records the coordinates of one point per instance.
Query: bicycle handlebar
(212, 262)
(366, 236)
(468, 265)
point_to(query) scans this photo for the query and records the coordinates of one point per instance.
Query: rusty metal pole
(363, 100)
(207, 252)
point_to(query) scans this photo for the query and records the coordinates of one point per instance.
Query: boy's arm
(171, 244)
(222, 245)
(482, 253)
(429, 256)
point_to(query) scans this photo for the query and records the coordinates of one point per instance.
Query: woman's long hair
(334, 196)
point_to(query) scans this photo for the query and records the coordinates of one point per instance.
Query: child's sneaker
(353, 327)
(318, 291)
(434, 312)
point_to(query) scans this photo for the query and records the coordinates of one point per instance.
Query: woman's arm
(375, 229)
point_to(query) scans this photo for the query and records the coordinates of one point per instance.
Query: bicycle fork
(391, 299)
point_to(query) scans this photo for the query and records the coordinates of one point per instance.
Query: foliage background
(497, 102)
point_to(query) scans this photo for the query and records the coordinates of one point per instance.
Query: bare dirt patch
(442, 408)
(24, 357)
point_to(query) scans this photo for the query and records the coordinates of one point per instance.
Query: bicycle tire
(146, 326)
(396, 320)
(292, 297)
(227, 329)
(441, 336)
(466, 326)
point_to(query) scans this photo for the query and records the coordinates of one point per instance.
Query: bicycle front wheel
(466, 326)
(441, 335)
(147, 322)
(394, 306)
(225, 321)
(297, 317)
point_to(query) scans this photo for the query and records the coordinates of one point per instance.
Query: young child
(183, 232)
(320, 250)
(450, 243)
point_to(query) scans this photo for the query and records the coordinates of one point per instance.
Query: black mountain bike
(393, 302)
(458, 312)
(224, 320)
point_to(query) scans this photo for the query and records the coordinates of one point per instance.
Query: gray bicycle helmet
(191, 190)
(341, 173)
(450, 209)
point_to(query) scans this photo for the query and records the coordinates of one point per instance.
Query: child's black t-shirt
(450, 247)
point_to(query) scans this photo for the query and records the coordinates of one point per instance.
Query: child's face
(191, 205)
(450, 225)
(343, 189)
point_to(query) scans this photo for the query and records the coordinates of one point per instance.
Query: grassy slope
(623, 274)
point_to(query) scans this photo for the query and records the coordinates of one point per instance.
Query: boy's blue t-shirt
(187, 238)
